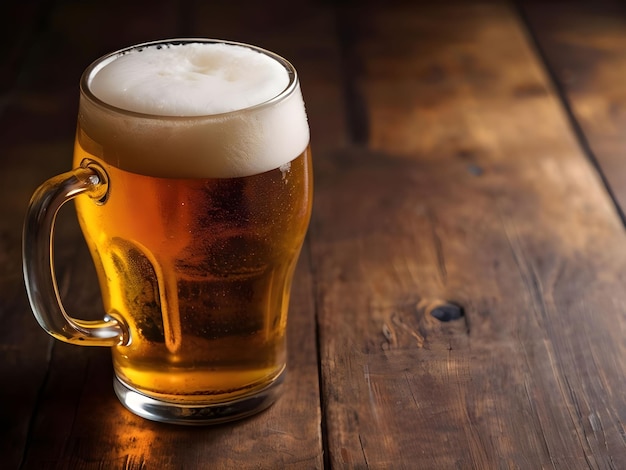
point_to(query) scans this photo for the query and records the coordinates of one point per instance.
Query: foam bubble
(205, 110)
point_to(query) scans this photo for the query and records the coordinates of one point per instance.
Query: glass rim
(96, 65)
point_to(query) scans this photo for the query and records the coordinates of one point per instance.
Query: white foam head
(194, 109)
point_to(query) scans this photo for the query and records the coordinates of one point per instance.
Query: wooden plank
(68, 416)
(584, 45)
(471, 191)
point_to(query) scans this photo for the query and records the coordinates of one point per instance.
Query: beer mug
(192, 183)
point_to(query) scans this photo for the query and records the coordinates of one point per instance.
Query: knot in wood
(445, 311)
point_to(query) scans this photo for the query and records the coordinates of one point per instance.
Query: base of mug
(197, 414)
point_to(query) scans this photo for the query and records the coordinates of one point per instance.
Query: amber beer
(201, 270)
(204, 149)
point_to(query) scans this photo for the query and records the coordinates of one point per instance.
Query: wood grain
(584, 44)
(471, 188)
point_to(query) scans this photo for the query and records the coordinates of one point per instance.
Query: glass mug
(193, 185)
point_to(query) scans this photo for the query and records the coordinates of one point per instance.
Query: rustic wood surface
(583, 46)
(459, 302)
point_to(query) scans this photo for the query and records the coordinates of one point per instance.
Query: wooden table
(460, 302)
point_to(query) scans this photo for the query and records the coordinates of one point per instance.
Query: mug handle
(37, 259)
